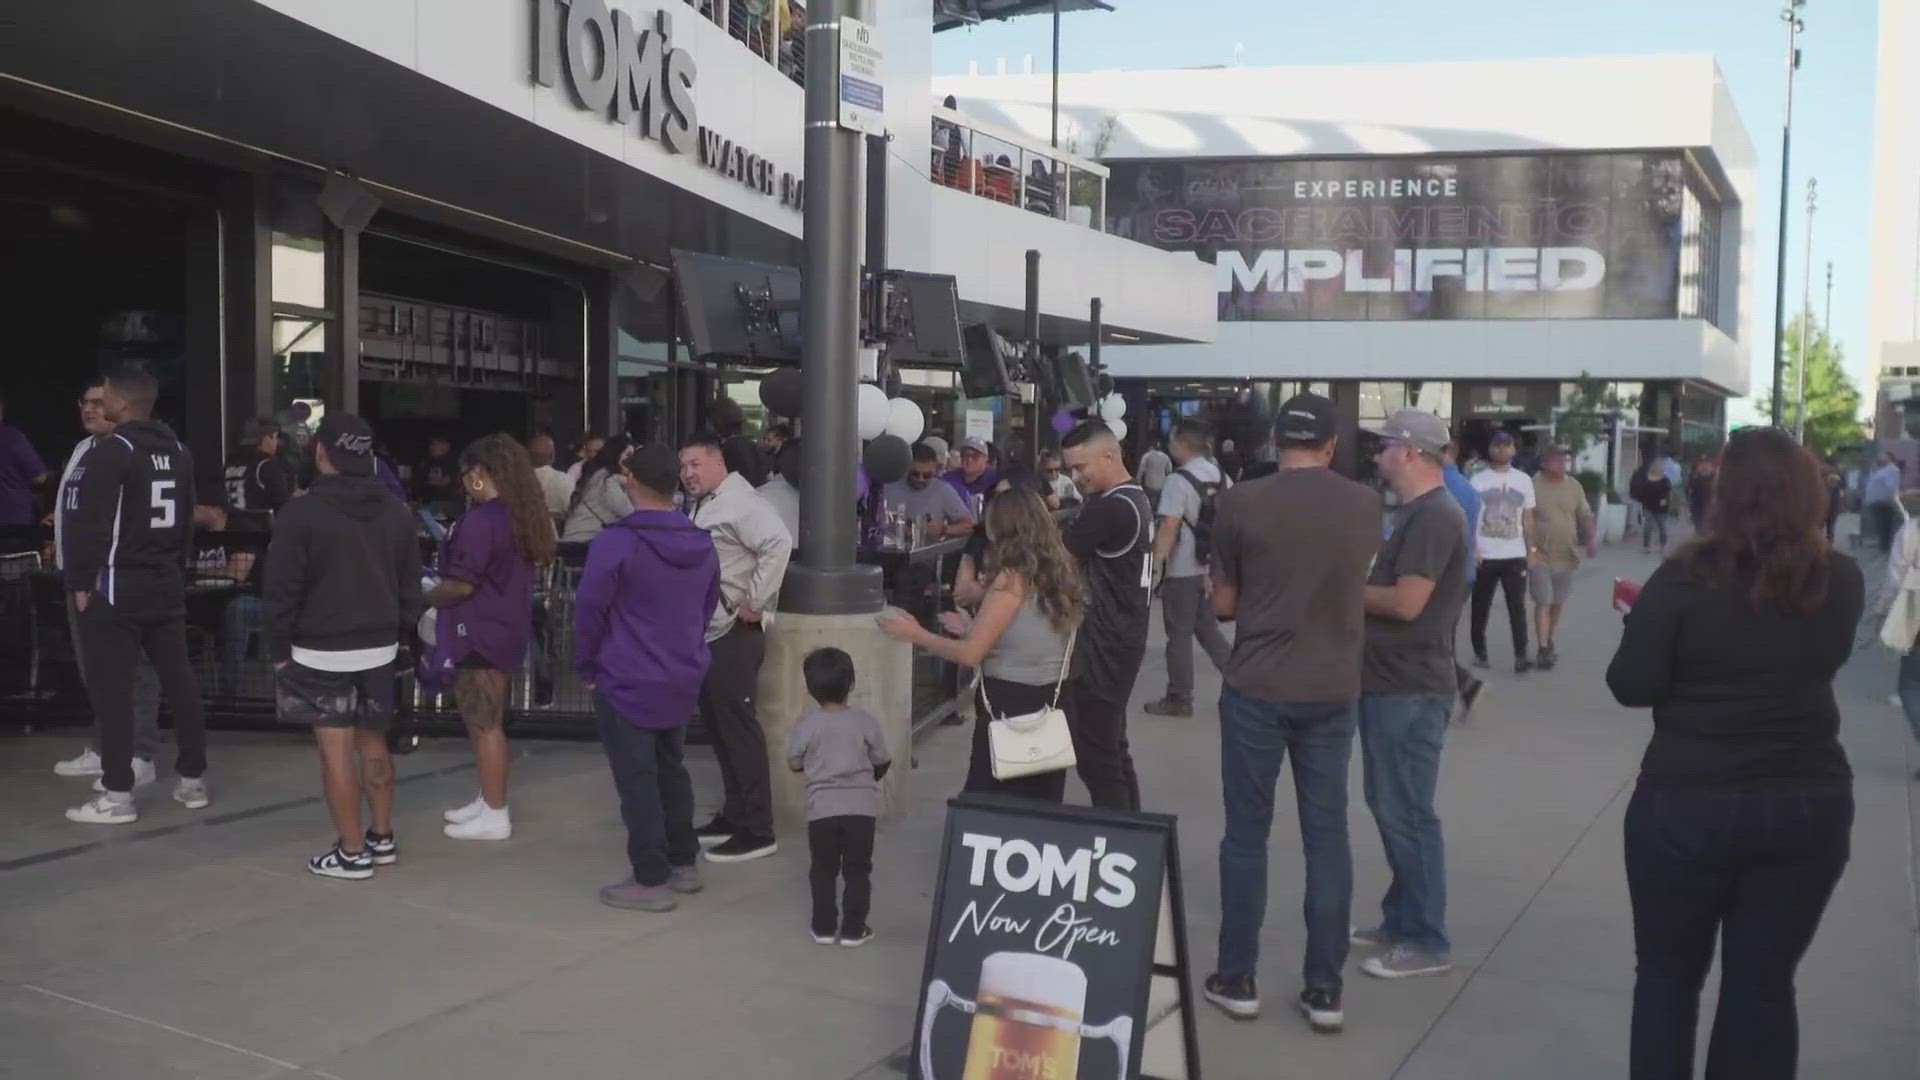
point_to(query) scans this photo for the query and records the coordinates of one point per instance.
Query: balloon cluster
(887, 427)
(1112, 409)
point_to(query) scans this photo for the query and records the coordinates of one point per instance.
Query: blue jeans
(1401, 736)
(1255, 738)
(1754, 868)
(1910, 690)
(656, 793)
(242, 619)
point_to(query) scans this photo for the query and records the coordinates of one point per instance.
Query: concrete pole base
(883, 686)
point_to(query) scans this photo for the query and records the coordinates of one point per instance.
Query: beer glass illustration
(1028, 1021)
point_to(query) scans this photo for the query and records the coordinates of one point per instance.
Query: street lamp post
(1806, 318)
(1791, 16)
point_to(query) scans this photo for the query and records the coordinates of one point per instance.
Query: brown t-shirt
(1296, 545)
(1560, 516)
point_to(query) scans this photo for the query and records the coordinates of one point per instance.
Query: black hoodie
(343, 572)
(127, 520)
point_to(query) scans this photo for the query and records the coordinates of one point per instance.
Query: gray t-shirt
(937, 500)
(1030, 651)
(837, 749)
(1154, 467)
(1428, 540)
(1179, 499)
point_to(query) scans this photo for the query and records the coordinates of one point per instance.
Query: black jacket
(343, 571)
(258, 482)
(1652, 492)
(128, 520)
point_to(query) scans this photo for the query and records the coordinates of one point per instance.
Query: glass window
(299, 270)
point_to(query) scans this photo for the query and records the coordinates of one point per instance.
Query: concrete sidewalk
(198, 946)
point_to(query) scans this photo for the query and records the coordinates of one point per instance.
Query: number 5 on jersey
(165, 505)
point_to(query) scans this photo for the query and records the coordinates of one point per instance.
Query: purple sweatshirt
(641, 613)
(495, 623)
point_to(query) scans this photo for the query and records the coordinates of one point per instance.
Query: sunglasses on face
(918, 475)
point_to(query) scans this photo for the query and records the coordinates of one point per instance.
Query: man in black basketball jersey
(129, 530)
(1113, 539)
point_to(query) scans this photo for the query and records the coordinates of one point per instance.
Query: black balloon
(780, 392)
(888, 458)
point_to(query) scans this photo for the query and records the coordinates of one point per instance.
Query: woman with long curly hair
(484, 617)
(1741, 818)
(1019, 639)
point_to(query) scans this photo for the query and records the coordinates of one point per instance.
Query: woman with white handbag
(1897, 610)
(1021, 641)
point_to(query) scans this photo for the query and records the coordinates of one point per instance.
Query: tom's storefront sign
(1048, 932)
(633, 75)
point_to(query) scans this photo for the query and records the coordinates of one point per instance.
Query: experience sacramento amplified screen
(1543, 236)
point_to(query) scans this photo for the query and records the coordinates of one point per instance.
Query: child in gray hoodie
(844, 755)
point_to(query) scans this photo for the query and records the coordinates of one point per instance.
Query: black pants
(110, 639)
(1510, 576)
(1755, 866)
(842, 849)
(1098, 717)
(727, 704)
(656, 794)
(1002, 698)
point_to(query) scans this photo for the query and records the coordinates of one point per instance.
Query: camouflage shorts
(336, 699)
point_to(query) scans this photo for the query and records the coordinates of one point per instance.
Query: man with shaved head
(1113, 540)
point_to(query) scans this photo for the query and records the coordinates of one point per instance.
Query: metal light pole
(1055, 131)
(1826, 322)
(1806, 319)
(1791, 16)
(825, 580)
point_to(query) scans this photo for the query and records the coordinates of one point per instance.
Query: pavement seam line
(1521, 914)
(169, 1028)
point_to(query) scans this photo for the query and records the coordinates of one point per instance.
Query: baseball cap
(1502, 437)
(1306, 418)
(1421, 430)
(349, 443)
(975, 442)
(258, 428)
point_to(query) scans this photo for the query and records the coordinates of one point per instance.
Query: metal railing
(1007, 167)
(757, 26)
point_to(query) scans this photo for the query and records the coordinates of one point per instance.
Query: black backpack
(1202, 525)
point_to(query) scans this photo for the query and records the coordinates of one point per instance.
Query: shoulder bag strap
(1066, 663)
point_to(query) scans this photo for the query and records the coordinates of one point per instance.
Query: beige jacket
(753, 546)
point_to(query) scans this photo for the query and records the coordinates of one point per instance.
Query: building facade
(456, 216)
(1893, 303)
(1496, 242)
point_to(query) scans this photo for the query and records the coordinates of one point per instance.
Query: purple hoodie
(640, 616)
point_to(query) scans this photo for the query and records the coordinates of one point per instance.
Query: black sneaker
(338, 864)
(1322, 1010)
(1169, 706)
(856, 937)
(1470, 695)
(715, 832)
(1481, 661)
(742, 848)
(1546, 659)
(382, 848)
(1522, 666)
(1234, 995)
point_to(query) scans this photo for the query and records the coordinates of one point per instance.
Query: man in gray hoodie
(754, 547)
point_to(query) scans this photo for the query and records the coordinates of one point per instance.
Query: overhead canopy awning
(954, 14)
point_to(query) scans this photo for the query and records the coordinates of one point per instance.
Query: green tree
(1833, 402)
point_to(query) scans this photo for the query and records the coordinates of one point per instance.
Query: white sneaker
(461, 814)
(191, 794)
(87, 764)
(488, 824)
(144, 773)
(105, 810)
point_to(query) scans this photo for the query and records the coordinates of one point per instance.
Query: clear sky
(1833, 107)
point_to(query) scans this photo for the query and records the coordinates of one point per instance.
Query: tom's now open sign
(863, 100)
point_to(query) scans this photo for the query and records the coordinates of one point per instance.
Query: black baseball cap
(1502, 437)
(349, 443)
(1307, 419)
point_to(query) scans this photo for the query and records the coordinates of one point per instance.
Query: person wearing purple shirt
(976, 476)
(484, 613)
(21, 470)
(650, 587)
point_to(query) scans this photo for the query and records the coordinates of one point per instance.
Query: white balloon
(1113, 407)
(871, 411)
(1117, 426)
(905, 419)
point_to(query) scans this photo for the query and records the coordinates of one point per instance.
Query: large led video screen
(1522, 236)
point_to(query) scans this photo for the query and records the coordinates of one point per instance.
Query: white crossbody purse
(1037, 742)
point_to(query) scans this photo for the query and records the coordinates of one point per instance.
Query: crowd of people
(1343, 631)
